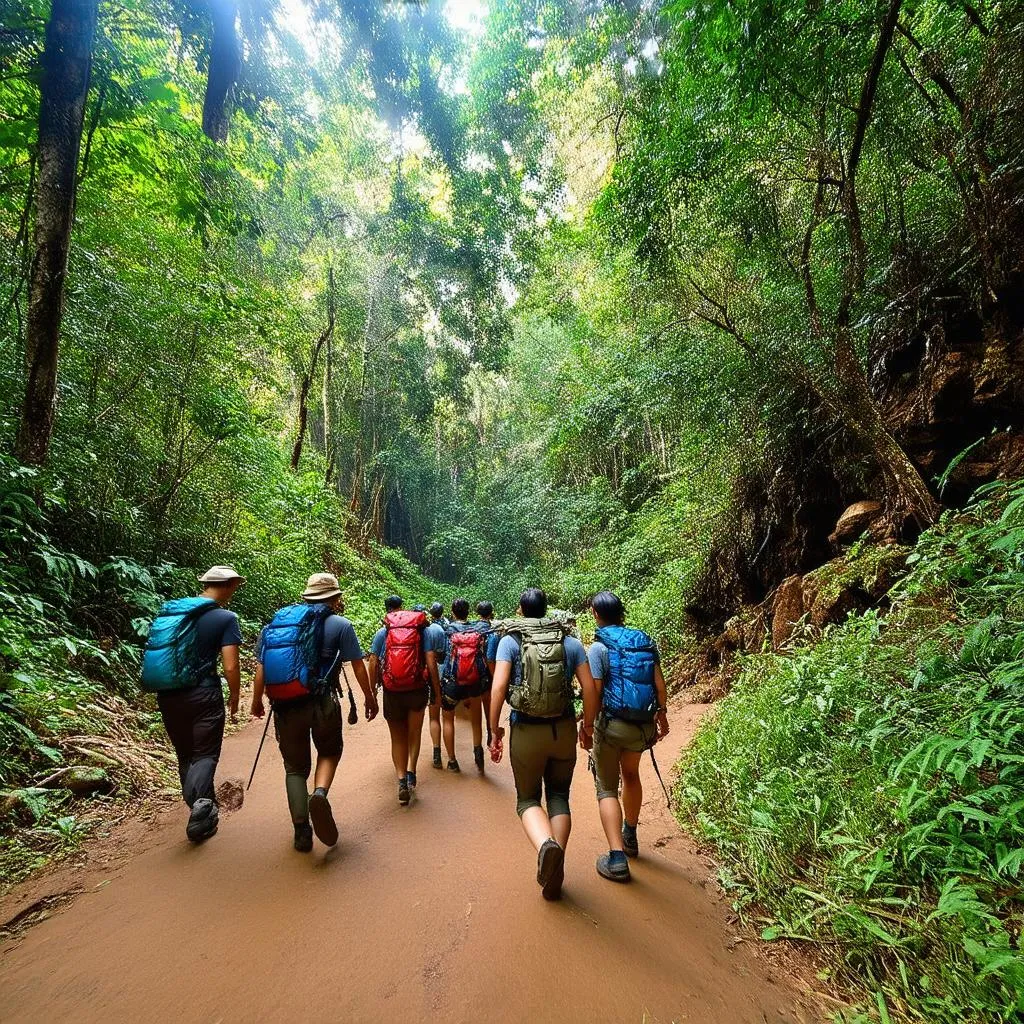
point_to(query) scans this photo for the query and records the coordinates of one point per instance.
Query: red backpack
(404, 663)
(466, 664)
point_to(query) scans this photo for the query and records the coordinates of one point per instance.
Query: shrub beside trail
(866, 792)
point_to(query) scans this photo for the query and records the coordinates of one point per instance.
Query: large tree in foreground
(67, 66)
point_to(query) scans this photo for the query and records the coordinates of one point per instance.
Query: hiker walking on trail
(485, 622)
(464, 677)
(403, 657)
(536, 662)
(301, 655)
(626, 668)
(180, 667)
(436, 641)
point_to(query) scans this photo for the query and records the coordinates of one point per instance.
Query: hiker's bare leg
(561, 826)
(537, 826)
(448, 725)
(415, 734)
(399, 746)
(435, 724)
(325, 769)
(475, 705)
(611, 821)
(485, 702)
(632, 789)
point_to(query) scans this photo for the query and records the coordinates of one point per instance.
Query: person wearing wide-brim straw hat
(315, 714)
(192, 705)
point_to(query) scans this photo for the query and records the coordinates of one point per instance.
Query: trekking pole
(657, 771)
(270, 711)
(353, 714)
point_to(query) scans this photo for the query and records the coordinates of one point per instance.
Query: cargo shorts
(317, 717)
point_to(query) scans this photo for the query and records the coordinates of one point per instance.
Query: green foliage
(867, 791)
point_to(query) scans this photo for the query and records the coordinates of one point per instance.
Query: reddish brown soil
(426, 913)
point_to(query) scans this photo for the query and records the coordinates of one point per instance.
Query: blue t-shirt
(492, 638)
(339, 644)
(598, 658)
(433, 640)
(215, 629)
(508, 650)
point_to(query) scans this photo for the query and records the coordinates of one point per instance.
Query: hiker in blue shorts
(485, 622)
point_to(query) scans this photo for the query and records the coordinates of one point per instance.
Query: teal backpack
(171, 659)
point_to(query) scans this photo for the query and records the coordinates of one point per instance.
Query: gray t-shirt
(598, 658)
(215, 629)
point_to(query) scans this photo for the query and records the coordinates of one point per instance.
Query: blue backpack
(290, 651)
(629, 692)
(171, 659)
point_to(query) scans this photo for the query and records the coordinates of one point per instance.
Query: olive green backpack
(541, 689)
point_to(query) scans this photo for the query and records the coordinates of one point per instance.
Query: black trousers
(194, 720)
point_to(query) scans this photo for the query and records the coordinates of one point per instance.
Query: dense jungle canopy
(639, 294)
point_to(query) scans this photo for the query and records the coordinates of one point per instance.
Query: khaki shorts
(400, 704)
(612, 736)
(295, 723)
(543, 757)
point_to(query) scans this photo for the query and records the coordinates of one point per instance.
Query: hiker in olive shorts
(316, 716)
(542, 749)
(619, 743)
(404, 710)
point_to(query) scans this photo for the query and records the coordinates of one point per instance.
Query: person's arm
(591, 703)
(374, 671)
(233, 674)
(358, 666)
(257, 693)
(662, 717)
(499, 690)
(435, 678)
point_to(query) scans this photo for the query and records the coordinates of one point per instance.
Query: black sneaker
(202, 822)
(410, 778)
(614, 871)
(437, 758)
(478, 756)
(303, 837)
(403, 791)
(550, 869)
(629, 843)
(453, 765)
(321, 817)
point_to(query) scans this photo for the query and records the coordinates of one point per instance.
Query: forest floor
(419, 913)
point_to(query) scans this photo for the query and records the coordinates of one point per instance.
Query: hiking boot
(453, 765)
(321, 817)
(410, 778)
(478, 756)
(550, 869)
(303, 837)
(202, 822)
(437, 758)
(403, 791)
(629, 842)
(616, 870)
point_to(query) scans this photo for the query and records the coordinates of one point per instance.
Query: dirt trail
(426, 913)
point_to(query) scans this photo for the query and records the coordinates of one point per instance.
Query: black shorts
(399, 704)
(452, 696)
(296, 722)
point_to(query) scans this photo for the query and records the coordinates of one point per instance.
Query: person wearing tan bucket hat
(180, 667)
(300, 655)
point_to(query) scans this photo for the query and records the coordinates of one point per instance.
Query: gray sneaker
(322, 818)
(617, 871)
(550, 869)
(630, 844)
(202, 822)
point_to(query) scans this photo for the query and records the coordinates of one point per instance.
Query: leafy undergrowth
(71, 628)
(866, 793)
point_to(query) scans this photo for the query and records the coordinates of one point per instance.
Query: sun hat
(220, 574)
(321, 586)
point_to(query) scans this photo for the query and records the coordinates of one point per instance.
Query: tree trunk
(307, 380)
(67, 65)
(224, 69)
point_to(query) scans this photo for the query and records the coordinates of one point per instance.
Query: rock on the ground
(855, 520)
(230, 794)
(787, 610)
(85, 781)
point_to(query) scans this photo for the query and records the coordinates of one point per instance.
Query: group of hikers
(426, 665)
